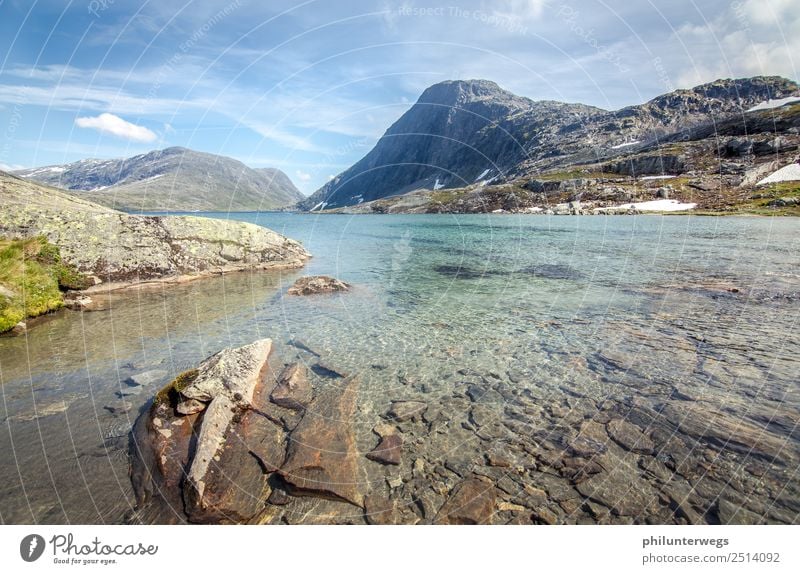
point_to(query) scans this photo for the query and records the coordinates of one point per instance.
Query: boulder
(314, 285)
(293, 390)
(202, 445)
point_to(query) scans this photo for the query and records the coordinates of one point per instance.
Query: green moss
(33, 277)
(30, 272)
(170, 394)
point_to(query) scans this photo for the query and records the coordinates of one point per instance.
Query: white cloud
(115, 125)
(752, 38)
(303, 176)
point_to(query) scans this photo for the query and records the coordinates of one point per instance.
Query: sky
(310, 86)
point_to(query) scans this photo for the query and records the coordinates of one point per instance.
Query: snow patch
(437, 185)
(655, 205)
(482, 175)
(771, 104)
(151, 178)
(626, 144)
(789, 172)
(321, 205)
(656, 177)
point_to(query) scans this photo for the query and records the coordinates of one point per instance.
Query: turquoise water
(585, 314)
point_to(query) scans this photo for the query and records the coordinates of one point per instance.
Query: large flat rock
(322, 458)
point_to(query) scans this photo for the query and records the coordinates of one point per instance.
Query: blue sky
(310, 86)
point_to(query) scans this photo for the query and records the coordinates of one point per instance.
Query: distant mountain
(461, 133)
(174, 179)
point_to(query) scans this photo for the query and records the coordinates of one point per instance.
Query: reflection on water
(683, 326)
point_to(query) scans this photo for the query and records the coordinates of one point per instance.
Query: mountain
(456, 132)
(172, 179)
(463, 133)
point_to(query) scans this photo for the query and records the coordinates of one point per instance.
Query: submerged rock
(314, 285)
(322, 457)
(630, 437)
(402, 411)
(146, 378)
(471, 502)
(293, 390)
(724, 431)
(388, 450)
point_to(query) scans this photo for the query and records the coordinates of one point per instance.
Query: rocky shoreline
(115, 251)
(247, 438)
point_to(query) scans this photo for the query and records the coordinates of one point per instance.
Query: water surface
(683, 326)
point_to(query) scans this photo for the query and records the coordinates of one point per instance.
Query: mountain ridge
(463, 131)
(171, 179)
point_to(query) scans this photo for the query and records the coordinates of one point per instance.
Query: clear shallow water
(684, 326)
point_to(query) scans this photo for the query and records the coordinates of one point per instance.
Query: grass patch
(577, 174)
(446, 196)
(780, 189)
(32, 277)
(170, 394)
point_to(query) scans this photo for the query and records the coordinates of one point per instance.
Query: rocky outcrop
(116, 247)
(198, 459)
(316, 285)
(659, 164)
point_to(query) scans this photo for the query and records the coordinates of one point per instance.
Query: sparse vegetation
(577, 174)
(32, 277)
(170, 393)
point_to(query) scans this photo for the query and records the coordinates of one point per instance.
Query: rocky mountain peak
(452, 92)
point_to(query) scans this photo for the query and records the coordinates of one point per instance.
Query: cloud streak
(116, 126)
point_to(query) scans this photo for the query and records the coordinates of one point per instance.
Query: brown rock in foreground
(322, 458)
(316, 284)
(192, 448)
